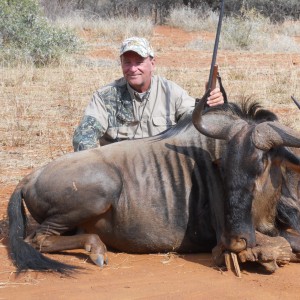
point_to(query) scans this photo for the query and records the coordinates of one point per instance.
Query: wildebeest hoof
(270, 252)
(99, 259)
(97, 250)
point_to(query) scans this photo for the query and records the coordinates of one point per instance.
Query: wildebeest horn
(221, 126)
(271, 134)
(296, 101)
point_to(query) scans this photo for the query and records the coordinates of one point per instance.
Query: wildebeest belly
(158, 213)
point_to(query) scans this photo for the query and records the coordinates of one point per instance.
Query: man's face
(137, 70)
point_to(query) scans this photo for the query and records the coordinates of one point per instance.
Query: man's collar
(136, 95)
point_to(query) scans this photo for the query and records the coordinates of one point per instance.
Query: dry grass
(193, 20)
(40, 108)
(112, 29)
(270, 85)
(249, 31)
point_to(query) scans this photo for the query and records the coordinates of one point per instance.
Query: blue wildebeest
(183, 191)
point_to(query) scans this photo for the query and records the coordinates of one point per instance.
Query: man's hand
(215, 98)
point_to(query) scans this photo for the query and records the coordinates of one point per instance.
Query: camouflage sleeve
(87, 134)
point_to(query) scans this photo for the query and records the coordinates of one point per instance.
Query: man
(138, 105)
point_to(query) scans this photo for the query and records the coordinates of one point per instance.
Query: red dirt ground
(152, 276)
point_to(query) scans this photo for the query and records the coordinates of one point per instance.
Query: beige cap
(136, 44)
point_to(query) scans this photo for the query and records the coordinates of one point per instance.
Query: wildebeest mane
(248, 110)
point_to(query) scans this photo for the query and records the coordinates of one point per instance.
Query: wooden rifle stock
(214, 78)
(213, 83)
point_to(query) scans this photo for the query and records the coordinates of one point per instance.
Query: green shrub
(27, 35)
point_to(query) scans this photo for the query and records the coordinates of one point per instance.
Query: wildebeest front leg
(89, 242)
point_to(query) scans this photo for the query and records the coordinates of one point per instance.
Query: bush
(253, 32)
(193, 20)
(240, 32)
(275, 10)
(26, 34)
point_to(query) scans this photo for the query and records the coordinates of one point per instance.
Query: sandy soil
(152, 276)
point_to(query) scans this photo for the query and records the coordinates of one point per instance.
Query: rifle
(213, 74)
(216, 45)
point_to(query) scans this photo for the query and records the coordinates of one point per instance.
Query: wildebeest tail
(24, 256)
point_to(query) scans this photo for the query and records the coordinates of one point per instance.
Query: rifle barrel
(214, 57)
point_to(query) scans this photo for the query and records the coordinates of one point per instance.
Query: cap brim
(140, 53)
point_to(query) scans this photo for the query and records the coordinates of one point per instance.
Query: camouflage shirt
(117, 112)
